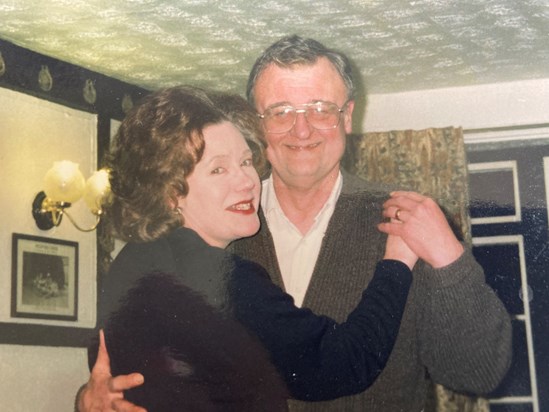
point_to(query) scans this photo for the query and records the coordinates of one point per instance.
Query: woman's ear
(177, 204)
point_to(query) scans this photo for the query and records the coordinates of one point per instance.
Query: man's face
(304, 155)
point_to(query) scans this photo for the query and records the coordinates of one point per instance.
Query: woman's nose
(245, 181)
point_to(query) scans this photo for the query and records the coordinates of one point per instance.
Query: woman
(194, 319)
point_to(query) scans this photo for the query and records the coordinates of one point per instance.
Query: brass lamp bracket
(46, 213)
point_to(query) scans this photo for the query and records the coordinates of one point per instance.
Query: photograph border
(37, 246)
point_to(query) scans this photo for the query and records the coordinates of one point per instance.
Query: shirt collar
(269, 201)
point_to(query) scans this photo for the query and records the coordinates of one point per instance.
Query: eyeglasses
(320, 115)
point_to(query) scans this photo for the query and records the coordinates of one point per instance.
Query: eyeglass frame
(302, 108)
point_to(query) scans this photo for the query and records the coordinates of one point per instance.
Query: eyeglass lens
(321, 116)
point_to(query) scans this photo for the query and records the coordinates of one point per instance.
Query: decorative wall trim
(546, 173)
(61, 82)
(495, 167)
(503, 134)
(525, 292)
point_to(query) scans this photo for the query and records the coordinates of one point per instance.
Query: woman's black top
(205, 327)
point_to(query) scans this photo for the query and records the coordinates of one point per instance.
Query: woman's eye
(248, 162)
(217, 170)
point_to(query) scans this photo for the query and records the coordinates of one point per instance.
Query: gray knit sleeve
(464, 330)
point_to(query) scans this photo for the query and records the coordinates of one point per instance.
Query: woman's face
(224, 189)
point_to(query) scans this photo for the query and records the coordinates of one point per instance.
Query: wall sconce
(64, 184)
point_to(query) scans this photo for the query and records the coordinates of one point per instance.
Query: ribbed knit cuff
(464, 268)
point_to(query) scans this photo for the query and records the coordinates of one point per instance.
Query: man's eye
(248, 162)
(282, 112)
(320, 109)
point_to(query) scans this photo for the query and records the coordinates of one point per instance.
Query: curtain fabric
(431, 162)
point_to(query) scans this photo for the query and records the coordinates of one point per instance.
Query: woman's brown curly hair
(157, 147)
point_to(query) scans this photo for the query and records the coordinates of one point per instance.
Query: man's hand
(420, 222)
(103, 393)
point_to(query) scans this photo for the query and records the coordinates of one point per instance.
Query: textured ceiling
(399, 45)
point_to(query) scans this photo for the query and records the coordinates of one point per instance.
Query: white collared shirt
(296, 253)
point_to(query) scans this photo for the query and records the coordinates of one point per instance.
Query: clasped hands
(421, 224)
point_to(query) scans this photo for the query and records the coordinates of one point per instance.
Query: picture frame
(44, 278)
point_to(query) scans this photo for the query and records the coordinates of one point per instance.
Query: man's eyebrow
(312, 101)
(278, 104)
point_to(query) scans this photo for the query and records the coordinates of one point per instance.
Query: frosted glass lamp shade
(97, 189)
(64, 182)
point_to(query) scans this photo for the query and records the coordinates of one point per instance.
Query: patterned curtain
(431, 162)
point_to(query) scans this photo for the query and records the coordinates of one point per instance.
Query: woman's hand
(397, 249)
(105, 393)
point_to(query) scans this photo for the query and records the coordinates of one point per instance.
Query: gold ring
(397, 215)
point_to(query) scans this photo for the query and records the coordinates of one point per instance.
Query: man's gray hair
(295, 50)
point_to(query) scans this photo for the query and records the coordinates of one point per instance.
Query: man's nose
(302, 129)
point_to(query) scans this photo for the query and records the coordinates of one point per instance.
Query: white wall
(486, 106)
(40, 379)
(33, 134)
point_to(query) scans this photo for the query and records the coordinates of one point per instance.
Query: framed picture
(44, 278)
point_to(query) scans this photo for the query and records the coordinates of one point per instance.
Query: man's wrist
(452, 254)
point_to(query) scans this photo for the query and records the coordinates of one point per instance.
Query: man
(318, 221)
(321, 221)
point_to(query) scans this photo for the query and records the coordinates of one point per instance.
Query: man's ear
(348, 116)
